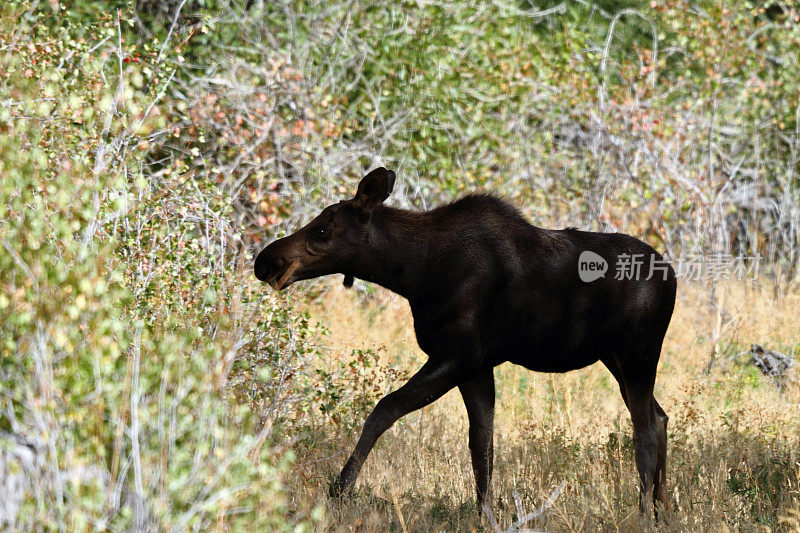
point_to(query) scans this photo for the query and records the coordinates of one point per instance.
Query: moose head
(334, 242)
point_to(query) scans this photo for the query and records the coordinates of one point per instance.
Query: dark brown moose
(486, 287)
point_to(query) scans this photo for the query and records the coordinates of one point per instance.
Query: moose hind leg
(478, 396)
(659, 485)
(645, 440)
(635, 367)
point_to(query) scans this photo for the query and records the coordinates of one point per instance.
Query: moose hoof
(336, 488)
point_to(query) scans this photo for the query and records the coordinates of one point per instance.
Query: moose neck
(397, 252)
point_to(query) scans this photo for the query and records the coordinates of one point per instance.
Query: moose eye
(321, 233)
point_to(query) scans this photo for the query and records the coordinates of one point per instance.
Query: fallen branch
(771, 363)
(524, 518)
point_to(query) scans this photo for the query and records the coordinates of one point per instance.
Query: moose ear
(375, 187)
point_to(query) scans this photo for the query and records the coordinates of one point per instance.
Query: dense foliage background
(149, 148)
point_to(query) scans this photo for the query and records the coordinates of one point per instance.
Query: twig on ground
(524, 518)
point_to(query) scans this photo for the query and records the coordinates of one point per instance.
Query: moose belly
(556, 361)
(567, 338)
(549, 354)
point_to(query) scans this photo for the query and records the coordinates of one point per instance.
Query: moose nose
(267, 264)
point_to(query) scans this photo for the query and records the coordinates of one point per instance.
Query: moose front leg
(478, 396)
(432, 381)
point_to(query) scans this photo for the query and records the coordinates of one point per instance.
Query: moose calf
(486, 287)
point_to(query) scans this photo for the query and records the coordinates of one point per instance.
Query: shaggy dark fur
(487, 287)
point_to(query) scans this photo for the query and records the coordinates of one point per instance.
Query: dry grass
(733, 437)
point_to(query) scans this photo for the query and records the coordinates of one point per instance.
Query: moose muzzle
(275, 267)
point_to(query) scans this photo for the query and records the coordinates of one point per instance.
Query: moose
(486, 287)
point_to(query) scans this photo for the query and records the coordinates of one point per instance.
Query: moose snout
(278, 264)
(269, 264)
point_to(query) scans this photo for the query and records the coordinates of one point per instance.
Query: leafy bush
(125, 300)
(617, 115)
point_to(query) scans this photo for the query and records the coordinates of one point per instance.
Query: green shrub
(124, 303)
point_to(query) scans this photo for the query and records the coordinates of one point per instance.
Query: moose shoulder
(486, 287)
